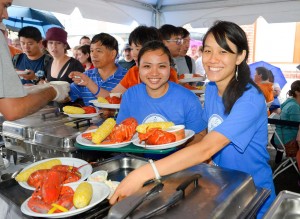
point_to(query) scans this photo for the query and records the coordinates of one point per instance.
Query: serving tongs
(175, 198)
(113, 214)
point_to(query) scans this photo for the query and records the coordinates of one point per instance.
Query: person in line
(85, 40)
(32, 59)
(194, 52)
(17, 103)
(84, 57)
(185, 64)
(137, 38)
(290, 110)
(75, 52)
(106, 74)
(275, 106)
(157, 98)
(16, 43)
(199, 66)
(13, 50)
(126, 61)
(230, 143)
(172, 38)
(62, 65)
(261, 78)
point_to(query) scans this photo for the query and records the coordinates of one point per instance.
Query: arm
(83, 80)
(16, 108)
(185, 158)
(197, 138)
(119, 89)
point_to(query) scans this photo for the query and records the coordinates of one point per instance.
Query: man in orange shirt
(137, 38)
(261, 78)
(13, 50)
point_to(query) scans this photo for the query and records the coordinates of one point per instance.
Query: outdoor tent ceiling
(199, 13)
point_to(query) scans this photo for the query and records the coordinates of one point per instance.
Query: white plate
(198, 91)
(100, 192)
(194, 79)
(188, 134)
(89, 115)
(22, 72)
(105, 105)
(85, 170)
(85, 142)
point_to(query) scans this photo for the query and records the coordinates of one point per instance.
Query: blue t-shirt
(178, 105)
(37, 66)
(246, 127)
(77, 91)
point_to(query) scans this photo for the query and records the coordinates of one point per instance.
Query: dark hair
(263, 72)
(106, 40)
(222, 31)
(271, 76)
(30, 32)
(142, 34)
(184, 32)
(153, 46)
(295, 86)
(85, 49)
(167, 31)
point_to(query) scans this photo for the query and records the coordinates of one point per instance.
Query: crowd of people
(227, 135)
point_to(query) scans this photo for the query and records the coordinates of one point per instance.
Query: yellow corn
(51, 211)
(59, 207)
(83, 195)
(102, 100)
(24, 175)
(73, 110)
(162, 125)
(103, 131)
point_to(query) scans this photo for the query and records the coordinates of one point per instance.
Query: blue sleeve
(242, 123)
(74, 92)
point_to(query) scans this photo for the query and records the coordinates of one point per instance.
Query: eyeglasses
(178, 41)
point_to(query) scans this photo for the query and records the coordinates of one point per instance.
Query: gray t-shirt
(10, 83)
(182, 67)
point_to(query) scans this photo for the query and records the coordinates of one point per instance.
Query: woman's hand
(131, 184)
(79, 78)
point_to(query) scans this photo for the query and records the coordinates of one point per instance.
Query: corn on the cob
(73, 110)
(24, 175)
(102, 100)
(162, 125)
(103, 131)
(83, 195)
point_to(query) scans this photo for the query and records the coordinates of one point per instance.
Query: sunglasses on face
(178, 41)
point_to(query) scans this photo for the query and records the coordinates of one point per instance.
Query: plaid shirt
(77, 91)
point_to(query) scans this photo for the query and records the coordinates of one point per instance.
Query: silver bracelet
(156, 173)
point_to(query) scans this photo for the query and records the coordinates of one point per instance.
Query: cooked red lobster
(122, 132)
(67, 173)
(156, 136)
(50, 191)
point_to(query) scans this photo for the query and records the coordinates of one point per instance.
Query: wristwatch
(36, 80)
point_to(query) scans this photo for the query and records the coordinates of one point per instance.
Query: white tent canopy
(198, 13)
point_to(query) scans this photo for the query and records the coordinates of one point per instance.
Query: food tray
(131, 148)
(120, 166)
(286, 205)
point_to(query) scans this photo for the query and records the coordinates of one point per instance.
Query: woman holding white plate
(236, 138)
(157, 99)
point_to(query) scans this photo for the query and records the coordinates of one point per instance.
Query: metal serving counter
(218, 193)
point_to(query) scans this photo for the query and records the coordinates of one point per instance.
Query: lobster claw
(156, 136)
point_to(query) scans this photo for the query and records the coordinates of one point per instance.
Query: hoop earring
(237, 73)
